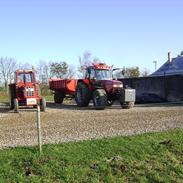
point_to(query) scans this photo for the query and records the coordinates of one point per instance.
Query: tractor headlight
(117, 85)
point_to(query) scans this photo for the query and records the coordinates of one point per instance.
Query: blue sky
(122, 33)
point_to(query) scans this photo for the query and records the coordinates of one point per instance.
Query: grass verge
(151, 157)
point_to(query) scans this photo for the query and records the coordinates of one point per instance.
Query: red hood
(111, 85)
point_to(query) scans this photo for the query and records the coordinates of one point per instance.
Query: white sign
(31, 101)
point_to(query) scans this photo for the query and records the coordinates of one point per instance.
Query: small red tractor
(98, 85)
(25, 91)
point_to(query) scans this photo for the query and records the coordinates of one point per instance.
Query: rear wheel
(43, 105)
(16, 105)
(59, 97)
(11, 97)
(11, 103)
(83, 95)
(127, 105)
(99, 99)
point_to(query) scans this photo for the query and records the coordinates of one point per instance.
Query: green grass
(154, 157)
(49, 98)
(3, 98)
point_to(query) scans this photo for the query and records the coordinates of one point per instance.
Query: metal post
(155, 64)
(39, 129)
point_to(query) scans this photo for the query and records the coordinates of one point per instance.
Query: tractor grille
(29, 91)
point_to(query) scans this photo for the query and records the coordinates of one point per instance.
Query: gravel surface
(71, 123)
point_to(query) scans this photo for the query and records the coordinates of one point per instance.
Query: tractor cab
(25, 77)
(99, 72)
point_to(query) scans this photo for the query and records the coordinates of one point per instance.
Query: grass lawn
(49, 98)
(152, 157)
(4, 98)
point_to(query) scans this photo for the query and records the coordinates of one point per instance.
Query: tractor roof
(24, 71)
(102, 66)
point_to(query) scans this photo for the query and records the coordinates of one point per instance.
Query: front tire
(99, 99)
(83, 95)
(16, 105)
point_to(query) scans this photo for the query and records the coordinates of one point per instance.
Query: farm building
(162, 85)
(173, 66)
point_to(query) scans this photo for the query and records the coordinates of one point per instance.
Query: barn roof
(171, 67)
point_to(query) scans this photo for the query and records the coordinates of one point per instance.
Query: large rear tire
(99, 99)
(58, 97)
(83, 95)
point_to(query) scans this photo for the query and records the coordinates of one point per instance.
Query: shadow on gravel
(4, 108)
(68, 106)
(73, 106)
(167, 104)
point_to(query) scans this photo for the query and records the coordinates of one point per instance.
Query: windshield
(103, 74)
(26, 78)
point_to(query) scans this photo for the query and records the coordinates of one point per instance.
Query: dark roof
(171, 68)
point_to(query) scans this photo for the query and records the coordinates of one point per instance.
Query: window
(28, 78)
(20, 78)
(25, 78)
(103, 74)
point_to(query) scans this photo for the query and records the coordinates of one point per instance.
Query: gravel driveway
(70, 123)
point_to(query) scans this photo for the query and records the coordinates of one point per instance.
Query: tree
(43, 71)
(145, 72)
(59, 69)
(25, 66)
(85, 61)
(131, 72)
(7, 69)
(71, 72)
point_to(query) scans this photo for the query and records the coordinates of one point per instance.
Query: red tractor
(98, 86)
(25, 91)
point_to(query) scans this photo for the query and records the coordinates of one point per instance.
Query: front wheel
(99, 99)
(16, 105)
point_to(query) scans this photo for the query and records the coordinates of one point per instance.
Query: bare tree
(7, 68)
(85, 61)
(43, 71)
(145, 72)
(129, 72)
(71, 72)
(24, 66)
